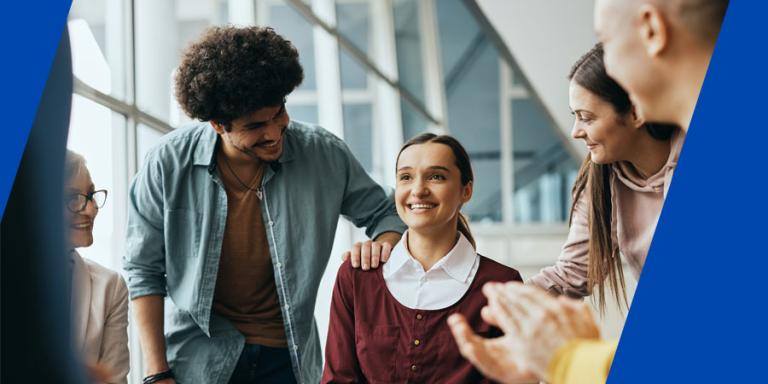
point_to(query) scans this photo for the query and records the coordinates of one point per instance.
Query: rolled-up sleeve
(144, 261)
(365, 202)
(569, 274)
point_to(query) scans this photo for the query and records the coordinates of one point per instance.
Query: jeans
(262, 364)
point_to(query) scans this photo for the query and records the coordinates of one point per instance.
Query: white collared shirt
(439, 287)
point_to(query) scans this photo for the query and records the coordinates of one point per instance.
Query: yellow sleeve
(582, 362)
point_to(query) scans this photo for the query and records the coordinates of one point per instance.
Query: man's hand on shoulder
(369, 254)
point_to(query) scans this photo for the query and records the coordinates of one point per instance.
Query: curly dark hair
(231, 72)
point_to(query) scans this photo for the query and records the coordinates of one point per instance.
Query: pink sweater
(637, 204)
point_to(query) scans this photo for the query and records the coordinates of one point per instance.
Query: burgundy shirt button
(413, 367)
(416, 342)
(419, 316)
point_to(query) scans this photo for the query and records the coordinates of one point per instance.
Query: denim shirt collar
(205, 152)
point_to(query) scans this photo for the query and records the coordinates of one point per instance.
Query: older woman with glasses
(99, 295)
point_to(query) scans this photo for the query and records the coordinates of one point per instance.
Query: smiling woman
(100, 296)
(620, 188)
(433, 271)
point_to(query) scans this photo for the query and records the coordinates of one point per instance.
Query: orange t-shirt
(245, 287)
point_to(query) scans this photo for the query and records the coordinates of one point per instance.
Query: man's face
(258, 136)
(618, 27)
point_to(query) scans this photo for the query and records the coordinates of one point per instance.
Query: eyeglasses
(77, 202)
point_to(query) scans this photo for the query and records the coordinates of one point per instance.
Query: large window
(354, 21)
(376, 73)
(302, 103)
(523, 169)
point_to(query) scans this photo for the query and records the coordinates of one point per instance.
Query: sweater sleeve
(582, 361)
(569, 274)
(341, 364)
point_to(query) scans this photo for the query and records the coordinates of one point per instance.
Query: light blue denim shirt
(176, 219)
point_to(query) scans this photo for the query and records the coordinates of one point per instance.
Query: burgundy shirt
(373, 338)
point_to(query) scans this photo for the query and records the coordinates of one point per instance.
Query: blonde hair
(74, 165)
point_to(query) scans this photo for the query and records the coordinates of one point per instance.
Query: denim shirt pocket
(182, 237)
(180, 223)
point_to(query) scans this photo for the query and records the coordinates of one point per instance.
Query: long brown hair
(594, 179)
(462, 162)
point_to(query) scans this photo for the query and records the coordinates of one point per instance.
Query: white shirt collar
(457, 263)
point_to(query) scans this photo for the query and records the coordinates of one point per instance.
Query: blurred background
(490, 72)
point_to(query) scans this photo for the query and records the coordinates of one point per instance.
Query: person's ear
(654, 30)
(218, 127)
(466, 192)
(637, 120)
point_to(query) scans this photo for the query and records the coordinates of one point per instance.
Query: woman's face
(609, 136)
(81, 223)
(429, 193)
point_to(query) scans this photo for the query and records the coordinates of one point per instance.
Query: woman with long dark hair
(620, 188)
(389, 325)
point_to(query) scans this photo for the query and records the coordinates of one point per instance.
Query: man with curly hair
(234, 217)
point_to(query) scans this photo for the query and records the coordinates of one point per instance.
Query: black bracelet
(151, 379)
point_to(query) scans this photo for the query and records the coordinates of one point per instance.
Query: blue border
(29, 35)
(699, 313)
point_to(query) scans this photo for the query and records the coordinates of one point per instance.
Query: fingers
(470, 345)
(521, 309)
(355, 255)
(345, 256)
(535, 325)
(506, 314)
(365, 255)
(490, 360)
(581, 318)
(535, 311)
(526, 296)
(368, 254)
(495, 293)
(375, 254)
(536, 303)
(508, 317)
(488, 315)
(386, 251)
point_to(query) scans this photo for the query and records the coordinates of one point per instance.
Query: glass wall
(94, 131)
(472, 88)
(407, 21)
(302, 103)
(353, 19)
